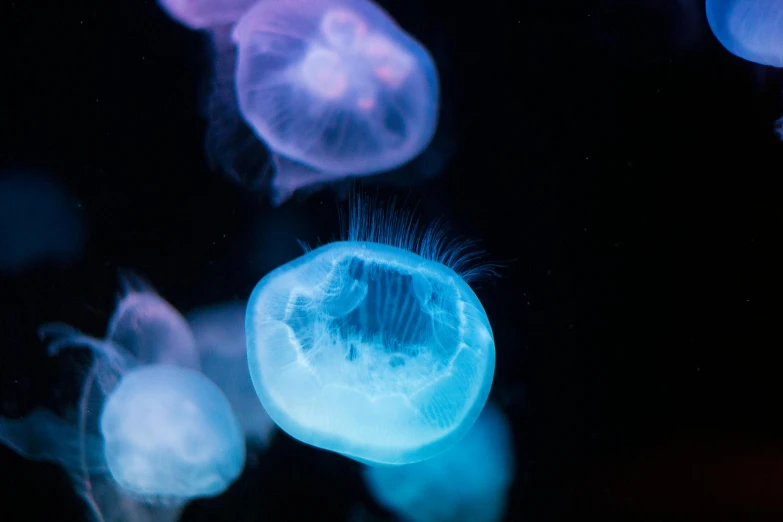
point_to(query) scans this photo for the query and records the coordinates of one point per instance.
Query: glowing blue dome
(370, 349)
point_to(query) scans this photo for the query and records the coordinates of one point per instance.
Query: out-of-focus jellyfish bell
(39, 221)
(334, 88)
(374, 347)
(145, 439)
(750, 29)
(150, 328)
(203, 14)
(220, 337)
(169, 432)
(467, 483)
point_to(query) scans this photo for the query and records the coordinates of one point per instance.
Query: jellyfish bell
(374, 347)
(145, 437)
(170, 433)
(219, 331)
(149, 327)
(749, 29)
(467, 483)
(203, 14)
(334, 89)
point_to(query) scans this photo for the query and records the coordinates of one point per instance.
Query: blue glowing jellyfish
(144, 439)
(334, 88)
(467, 483)
(374, 347)
(220, 337)
(750, 29)
(39, 221)
(203, 14)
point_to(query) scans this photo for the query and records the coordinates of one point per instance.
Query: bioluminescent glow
(203, 14)
(334, 88)
(467, 483)
(220, 338)
(750, 29)
(170, 432)
(146, 437)
(148, 327)
(374, 347)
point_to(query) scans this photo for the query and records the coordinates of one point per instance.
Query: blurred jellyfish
(39, 221)
(145, 439)
(148, 327)
(220, 337)
(203, 14)
(749, 29)
(374, 347)
(467, 483)
(334, 88)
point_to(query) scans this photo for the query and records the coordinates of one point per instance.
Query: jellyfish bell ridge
(370, 350)
(336, 86)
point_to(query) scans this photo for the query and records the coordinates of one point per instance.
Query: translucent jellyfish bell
(467, 483)
(220, 337)
(750, 29)
(169, 432)
(148, 327)
(374, 347)
(144, 439)
(203, 14)
(335, 88)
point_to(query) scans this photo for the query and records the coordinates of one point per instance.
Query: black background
(620, 162)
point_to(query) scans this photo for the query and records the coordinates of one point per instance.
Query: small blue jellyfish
(219, 331)
(334, 88)
(750, 29)
(203, 14)
(145, 438)
(170, 433)
(467, 483)
(39, 221)
(374, 347)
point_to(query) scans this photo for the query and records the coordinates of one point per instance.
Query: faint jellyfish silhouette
(203, 14)
(335, 89)
(220, 337)
(144, 440)
(148, 327)
(467, 483)
(374, 347)
(749, 29)
(39, 221)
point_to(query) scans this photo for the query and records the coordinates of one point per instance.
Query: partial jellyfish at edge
(749, 29)
(146, 437)
(469, 482)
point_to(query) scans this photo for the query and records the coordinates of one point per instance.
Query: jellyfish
(147, 436)
(375, 346)
(219, 331)
(749, 29)
(467, 483)
(334, 89)
(148, 327)
(203, 14)
(39, 221)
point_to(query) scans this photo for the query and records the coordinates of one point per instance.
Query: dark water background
(612, 150)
